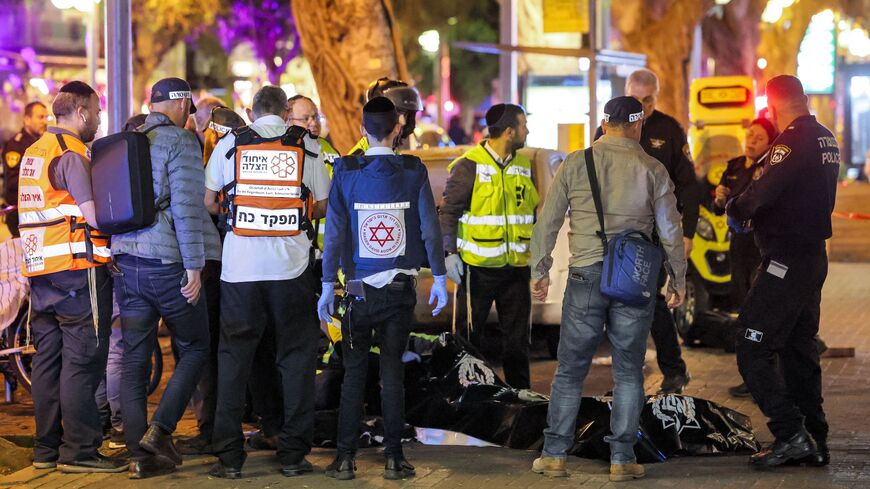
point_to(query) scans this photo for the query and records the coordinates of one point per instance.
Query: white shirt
(382, 279)
(495, 155)
(259, 258)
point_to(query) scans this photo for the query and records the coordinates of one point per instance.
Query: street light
(430, 41)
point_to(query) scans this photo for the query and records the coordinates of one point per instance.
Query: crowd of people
(243, 211)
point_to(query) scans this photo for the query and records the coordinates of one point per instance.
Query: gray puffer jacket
(183, 231)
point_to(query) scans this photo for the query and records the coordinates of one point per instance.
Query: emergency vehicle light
(723, 96)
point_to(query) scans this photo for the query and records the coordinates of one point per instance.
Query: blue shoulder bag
(631, 260)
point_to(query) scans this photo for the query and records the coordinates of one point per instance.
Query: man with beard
(70, 288)
(486, 218)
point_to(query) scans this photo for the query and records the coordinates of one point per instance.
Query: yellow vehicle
(720, 110)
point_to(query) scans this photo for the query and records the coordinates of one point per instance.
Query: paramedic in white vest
(159, 275)
(267, 285)
(486, 218)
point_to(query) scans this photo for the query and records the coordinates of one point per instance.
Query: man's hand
(675, 298)
(687, 246)
(326, 303)
(722, 193)
(191, 290)
(540, 288)
(454, 268)
(439, 292)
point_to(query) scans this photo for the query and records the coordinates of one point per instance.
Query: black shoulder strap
(596, 196)
(61, 142)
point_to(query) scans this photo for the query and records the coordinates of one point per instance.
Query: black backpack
(122, 182)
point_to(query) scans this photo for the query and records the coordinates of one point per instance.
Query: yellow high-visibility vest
(497, 229)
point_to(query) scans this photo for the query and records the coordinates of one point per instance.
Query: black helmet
(404, 97)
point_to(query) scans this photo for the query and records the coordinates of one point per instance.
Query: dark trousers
(204, 399)
(69, 363)
(508, 287)
(147, 290)
(388, 312)
(777, 353)
(282, 312)
(745, 258)
(664, 333)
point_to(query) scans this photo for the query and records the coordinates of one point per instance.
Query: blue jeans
(147, 290)
(584, 313)
(109, 390)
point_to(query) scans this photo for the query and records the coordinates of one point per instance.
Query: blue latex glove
(438, 291)
(325, 305)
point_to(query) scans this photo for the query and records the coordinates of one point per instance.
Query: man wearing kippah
(486, 218)
(636, 195)
(381, 227)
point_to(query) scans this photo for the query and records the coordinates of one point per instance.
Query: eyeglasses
(306, 120)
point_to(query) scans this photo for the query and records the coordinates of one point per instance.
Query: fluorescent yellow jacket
(496, 230)
(329, 156)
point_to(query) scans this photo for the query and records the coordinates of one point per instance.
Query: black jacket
(12, 153)
(790, 204)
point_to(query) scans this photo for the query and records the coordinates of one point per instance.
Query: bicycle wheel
(23, 360)
(155, 369)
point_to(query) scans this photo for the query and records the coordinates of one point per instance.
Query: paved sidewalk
(845, 322)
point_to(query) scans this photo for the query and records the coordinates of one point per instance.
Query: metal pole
(119, 63)
(92, 43)
(593, 70)
(508, 60)
(443, 79)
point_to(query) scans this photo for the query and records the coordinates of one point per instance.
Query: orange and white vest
(54, 234)
(267, 197)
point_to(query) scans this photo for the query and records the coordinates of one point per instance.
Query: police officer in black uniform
(790, 207)
(35, 124)
(663, 138)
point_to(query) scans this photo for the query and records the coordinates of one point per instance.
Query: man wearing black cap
(486, 218)
(158, 270)
(381, 227)
(636, 194)
(790, 207)
(664, 139)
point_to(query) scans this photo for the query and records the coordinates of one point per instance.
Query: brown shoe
(625, 472)
(550, 466)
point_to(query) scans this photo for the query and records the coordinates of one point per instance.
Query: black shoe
(674, 384)
(740, 391)
(300, 468)
(116, 439)
(397, 468)
(221, 471)
(342, 468)
(259, 441)
(820, 458)
(196, 445)
(157, 442)
(151, 467)
(97, 463)
(799, 446)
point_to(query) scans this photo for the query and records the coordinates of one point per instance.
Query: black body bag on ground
(122, 182)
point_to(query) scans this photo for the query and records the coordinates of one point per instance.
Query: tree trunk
(731, 39)
(663, 30)
(348, 43)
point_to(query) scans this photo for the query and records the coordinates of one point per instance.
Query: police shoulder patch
(688, 152)
(779, 153)
(12, 159)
